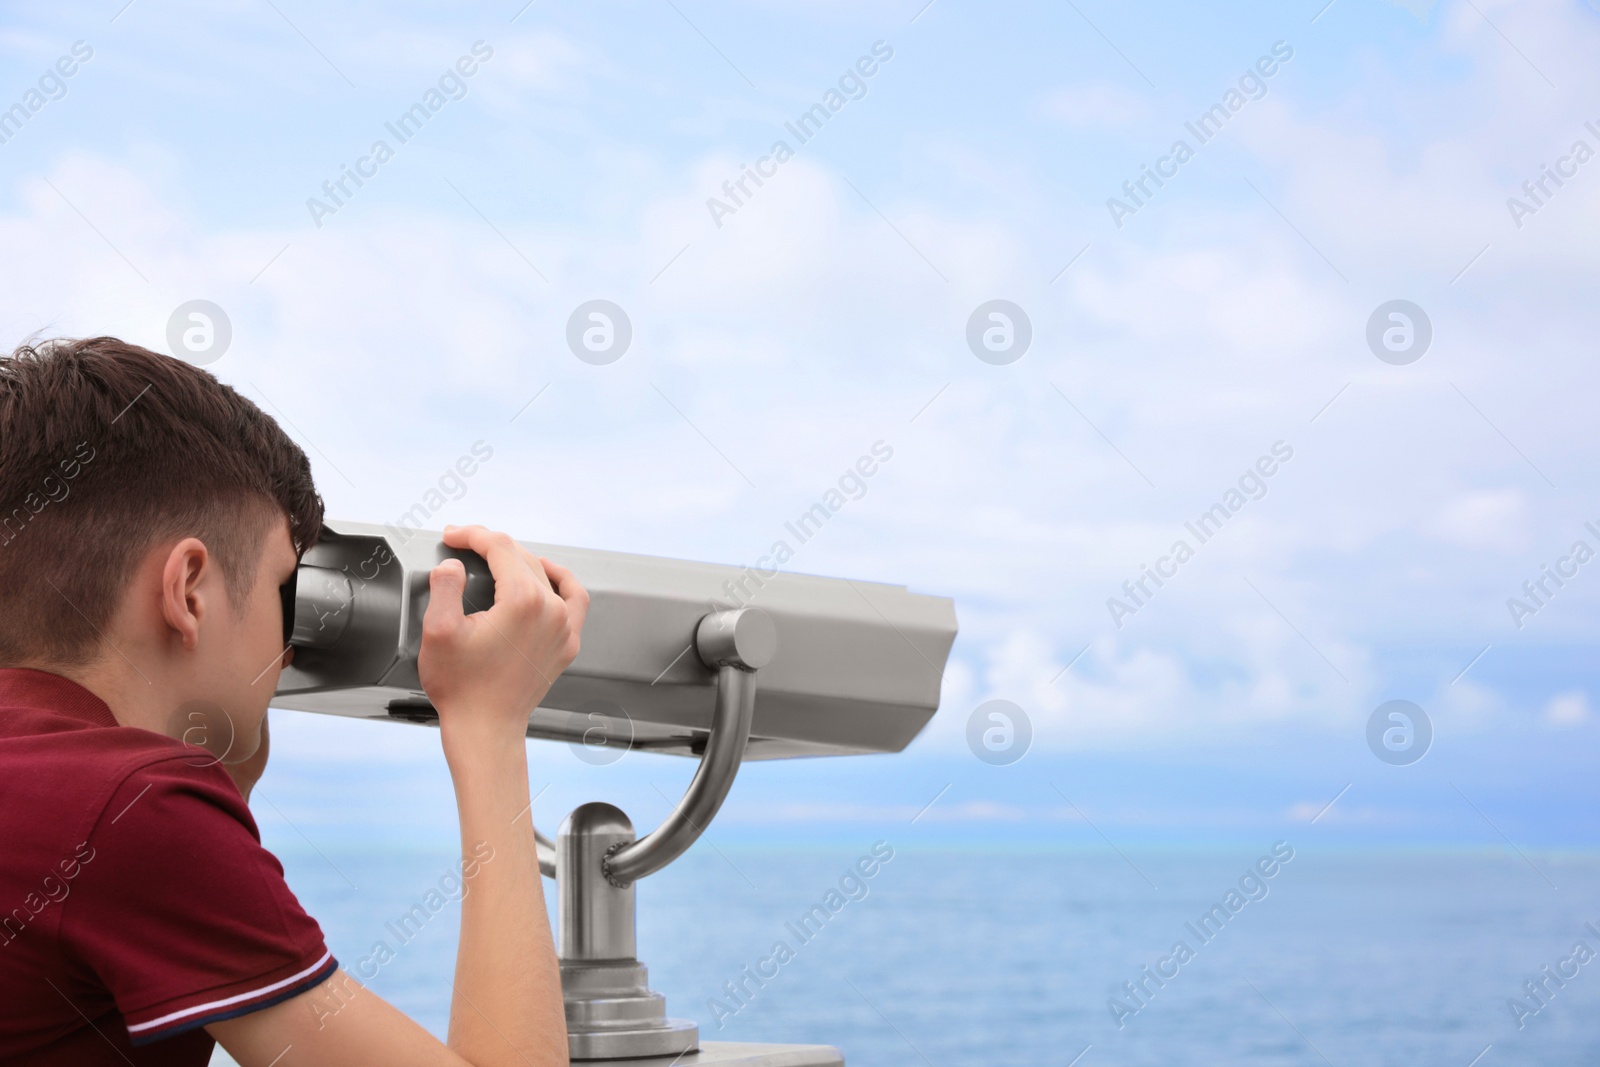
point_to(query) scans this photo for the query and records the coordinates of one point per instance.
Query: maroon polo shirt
(136, 902)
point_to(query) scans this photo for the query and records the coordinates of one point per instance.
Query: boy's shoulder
(64, 759)
(134, 878)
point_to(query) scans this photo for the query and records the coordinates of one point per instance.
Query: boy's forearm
(507, 1005)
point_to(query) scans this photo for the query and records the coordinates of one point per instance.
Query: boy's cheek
(261, 652)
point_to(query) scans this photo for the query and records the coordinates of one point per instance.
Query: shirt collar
(24, 687)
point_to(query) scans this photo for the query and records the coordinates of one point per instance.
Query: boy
(149, 517)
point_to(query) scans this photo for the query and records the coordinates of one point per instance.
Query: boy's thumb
(445, 585)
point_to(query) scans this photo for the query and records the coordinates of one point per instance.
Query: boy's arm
(338, 1022)
(484, 674)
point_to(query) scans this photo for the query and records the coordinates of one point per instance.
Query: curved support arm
(735, 644)
(730, 731)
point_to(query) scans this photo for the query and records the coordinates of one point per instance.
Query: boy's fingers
(512, 576)
(536, 569)
(568, 588)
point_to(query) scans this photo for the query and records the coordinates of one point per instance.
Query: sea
(974, 956)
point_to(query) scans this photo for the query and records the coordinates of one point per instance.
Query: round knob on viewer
(742, 637)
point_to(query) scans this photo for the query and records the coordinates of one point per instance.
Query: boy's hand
(486, 672)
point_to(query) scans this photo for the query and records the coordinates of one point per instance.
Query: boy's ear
(182, 606)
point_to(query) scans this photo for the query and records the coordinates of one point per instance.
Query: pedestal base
(738, 1054)
(613, 1014)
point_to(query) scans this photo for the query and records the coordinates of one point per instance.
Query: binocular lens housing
(854, 667)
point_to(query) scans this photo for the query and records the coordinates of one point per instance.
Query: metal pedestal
(611, 1010)
(612, 1014)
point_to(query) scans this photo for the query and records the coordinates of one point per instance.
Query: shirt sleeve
(181, 913)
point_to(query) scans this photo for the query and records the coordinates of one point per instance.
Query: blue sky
(1225, 315)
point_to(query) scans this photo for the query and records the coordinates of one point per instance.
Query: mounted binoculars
(717, 662)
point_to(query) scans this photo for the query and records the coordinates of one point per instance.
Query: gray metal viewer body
(676, 658)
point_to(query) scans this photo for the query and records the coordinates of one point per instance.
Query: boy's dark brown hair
(107, 450)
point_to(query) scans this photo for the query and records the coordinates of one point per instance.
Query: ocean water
(952, 956)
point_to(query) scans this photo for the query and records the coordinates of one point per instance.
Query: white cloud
(1485, 519)
(1567, 710)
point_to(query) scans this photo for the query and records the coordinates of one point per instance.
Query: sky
(1182, 338)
